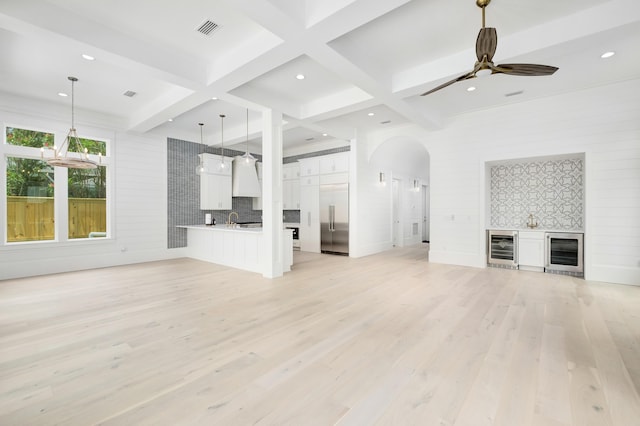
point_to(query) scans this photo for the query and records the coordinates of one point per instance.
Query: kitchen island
(234, 246)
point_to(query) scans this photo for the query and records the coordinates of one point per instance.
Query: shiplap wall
(604, 123)
(137, 202)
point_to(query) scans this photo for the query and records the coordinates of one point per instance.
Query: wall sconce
(381, 178)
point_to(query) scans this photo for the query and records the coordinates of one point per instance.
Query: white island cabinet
(531, 250)
(235, 247)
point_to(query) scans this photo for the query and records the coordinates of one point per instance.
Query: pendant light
(247, 155)
(222, 116)
(245, 176)
(200, 169)
(72, 153)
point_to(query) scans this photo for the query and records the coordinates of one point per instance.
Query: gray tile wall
(183, 186)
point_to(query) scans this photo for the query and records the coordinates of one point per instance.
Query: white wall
(372, 218)
(139, 199)
(604, 123)
(370, 204)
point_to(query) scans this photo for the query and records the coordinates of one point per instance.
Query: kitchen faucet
(229, 223)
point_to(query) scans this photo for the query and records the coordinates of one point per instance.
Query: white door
(425, 213)
(396, 227)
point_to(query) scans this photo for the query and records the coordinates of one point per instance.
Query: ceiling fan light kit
(486, 45)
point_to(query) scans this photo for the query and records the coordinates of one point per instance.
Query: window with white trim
(46, 203)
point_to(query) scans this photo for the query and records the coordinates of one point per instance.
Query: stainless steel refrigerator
(334, 218)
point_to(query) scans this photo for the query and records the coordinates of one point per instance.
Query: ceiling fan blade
(486, 43)
(524, 69)
(449, 83)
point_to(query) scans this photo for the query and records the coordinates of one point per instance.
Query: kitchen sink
(249, 224)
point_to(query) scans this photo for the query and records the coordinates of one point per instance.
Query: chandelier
(72, 153)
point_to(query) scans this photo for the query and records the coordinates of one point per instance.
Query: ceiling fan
(485, 49)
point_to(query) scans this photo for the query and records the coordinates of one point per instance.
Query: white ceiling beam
(42, 18)
(600, 18)
(315, 45)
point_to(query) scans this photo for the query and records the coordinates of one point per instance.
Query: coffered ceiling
(358, 57)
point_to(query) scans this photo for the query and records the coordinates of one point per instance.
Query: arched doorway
(406, 164)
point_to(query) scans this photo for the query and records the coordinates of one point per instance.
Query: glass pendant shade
(200, 169)
(245, 175)
(222, 165)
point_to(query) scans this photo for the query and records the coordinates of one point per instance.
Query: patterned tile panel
(553, 190)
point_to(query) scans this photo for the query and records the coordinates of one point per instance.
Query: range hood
(245, 176)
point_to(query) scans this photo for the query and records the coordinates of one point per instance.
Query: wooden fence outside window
(32, 218)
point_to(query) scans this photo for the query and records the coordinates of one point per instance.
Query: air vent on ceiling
(309, 139)
(385, 122)
(130, 93)
(519, 92)
(207, 27)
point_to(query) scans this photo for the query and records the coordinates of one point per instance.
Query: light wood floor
(388, 339)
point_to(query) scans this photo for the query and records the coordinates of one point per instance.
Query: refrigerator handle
(332, 218)
(309, 218)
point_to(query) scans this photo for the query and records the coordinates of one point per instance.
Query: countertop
(222, 228)
(536, 230)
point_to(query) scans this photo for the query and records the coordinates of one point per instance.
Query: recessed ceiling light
(371, 114)
(300, 76)
(88, 57)
(324, 134)
(171, 119)
(215, 98)
(471, 89)
(606, 55)
(64, 95)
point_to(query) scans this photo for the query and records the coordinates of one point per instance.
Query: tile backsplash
(552, 190)
(183, 190)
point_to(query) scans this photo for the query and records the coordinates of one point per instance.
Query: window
(87, 202)
(31, 138)
(36, 191)
(30, 200)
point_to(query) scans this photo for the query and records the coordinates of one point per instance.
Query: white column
(272, 193)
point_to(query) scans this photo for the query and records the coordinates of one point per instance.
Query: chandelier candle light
(72, 153)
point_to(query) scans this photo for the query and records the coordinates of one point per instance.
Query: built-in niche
(550, 188)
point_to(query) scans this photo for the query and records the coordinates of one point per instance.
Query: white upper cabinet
(291, 186)
(215, 183)
(334, 163)
(213, 164)
(290, 171)
(309, 166)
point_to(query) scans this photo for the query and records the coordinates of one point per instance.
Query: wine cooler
(564, 252)
(502, 248)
